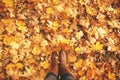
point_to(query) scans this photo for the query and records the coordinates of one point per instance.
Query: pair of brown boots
(59, 63)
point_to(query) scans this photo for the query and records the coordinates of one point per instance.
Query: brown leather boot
(54, 65)
(63, 63)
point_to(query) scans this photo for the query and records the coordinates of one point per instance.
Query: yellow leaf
(97, 46)
(14, 38)
(77, 49)
(89, 10)
(49, 10)
(8, 21)
(65, 41)
(65, 30)
(81, 2)
(79, 34)
(36, 50)
(55, 1)
(92, 65)
(55, 25)
(9, 39)
(8, 3)
(21, 25)
(80, 72)
(10, 66)
(10, 28)
(65, 22)
(78, 64)
(19, 65)
(14, 45)
(45, 64)
(31, 61)
(111, 76)
(72, 58)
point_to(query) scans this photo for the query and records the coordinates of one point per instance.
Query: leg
(51, 76)
(64, 70)
(67, 76)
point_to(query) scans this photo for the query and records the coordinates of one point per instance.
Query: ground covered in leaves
(88, 30)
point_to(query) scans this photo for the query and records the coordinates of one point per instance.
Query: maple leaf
(7, 21)
(10, 66)
(36, 50)
(80, 72)
(45, 64)
(21, 25)
(8, 3)
(97, 46)
(49, 10)
(19, 65)
(89, 10)
(60, 7)
(72, 58)
(78, 64)
(10, 29)
(14, 45)
(111, 76)
(55, 1)
(65, 41)
(81, 2)
(65, 30)
(79, 34)
(65, 22)
(7, 40)
(55, 25)
(77, 49)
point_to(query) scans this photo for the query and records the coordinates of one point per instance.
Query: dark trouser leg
(67, 76)
(51, 76)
